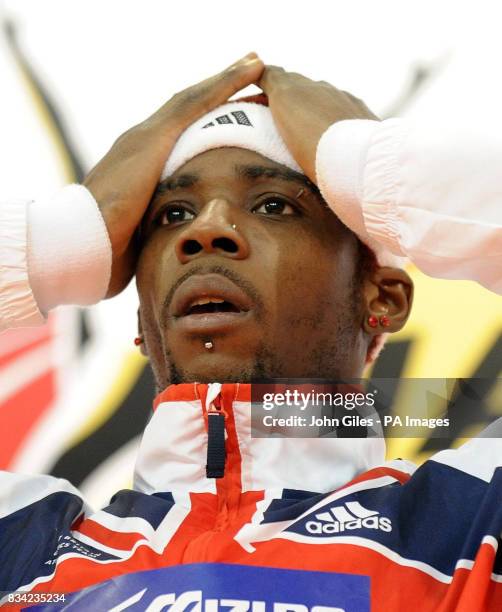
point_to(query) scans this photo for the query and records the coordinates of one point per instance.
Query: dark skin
(267, 232)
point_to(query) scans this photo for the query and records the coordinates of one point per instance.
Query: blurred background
(75, 395)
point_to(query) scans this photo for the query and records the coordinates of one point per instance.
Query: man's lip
(208, 285)
(211, 324)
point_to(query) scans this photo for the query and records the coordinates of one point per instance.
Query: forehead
(205, 160)
(230, 163)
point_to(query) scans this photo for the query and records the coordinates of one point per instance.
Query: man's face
(241, 252)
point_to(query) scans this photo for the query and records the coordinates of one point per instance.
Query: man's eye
(275, 206)
(174, 214)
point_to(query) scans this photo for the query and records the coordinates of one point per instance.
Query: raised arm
(77, 247)
(429, 192)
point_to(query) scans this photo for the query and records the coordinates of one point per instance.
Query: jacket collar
(173, 451)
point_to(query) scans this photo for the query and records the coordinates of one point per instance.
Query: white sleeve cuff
(69, 251)
(383, 176)
(18, 307)
(340, 164)
(355, 167)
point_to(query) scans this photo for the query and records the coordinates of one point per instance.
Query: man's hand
(304, 109)
(123, 182)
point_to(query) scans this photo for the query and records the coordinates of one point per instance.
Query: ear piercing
(138, 340)
(374, 321)
(208, 346)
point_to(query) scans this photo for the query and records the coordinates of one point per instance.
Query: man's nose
(213, 231)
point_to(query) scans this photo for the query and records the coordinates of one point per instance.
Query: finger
(249, 56)
(271, 77)
(219, 88)
(192, 103)
(274, 76)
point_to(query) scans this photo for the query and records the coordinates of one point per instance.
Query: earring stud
(138, 340)
(372, 321)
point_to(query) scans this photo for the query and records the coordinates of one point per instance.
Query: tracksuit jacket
(290, 524)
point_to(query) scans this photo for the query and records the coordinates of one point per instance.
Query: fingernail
(250, 56)
(255, 60)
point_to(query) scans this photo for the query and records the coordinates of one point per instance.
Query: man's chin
(213, 368)
(224, 358)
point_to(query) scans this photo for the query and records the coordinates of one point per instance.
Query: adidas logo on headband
(240, 118)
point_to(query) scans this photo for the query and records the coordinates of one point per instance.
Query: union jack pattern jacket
(291, 524)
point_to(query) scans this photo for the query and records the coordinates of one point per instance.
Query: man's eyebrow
(285, 174)
(182, 181)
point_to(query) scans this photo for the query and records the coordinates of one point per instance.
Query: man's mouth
(209, 303)
(206, 305)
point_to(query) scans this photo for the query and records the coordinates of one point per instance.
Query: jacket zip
(216, 454)
(228, 490)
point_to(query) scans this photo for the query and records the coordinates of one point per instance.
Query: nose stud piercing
(208, 345)
(233, 226)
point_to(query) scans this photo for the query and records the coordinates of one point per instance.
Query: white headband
(245, 125)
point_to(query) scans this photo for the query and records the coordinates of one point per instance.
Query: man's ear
(142, 345)
(388, 294)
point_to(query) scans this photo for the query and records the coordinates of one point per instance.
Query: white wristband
(69, 251)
